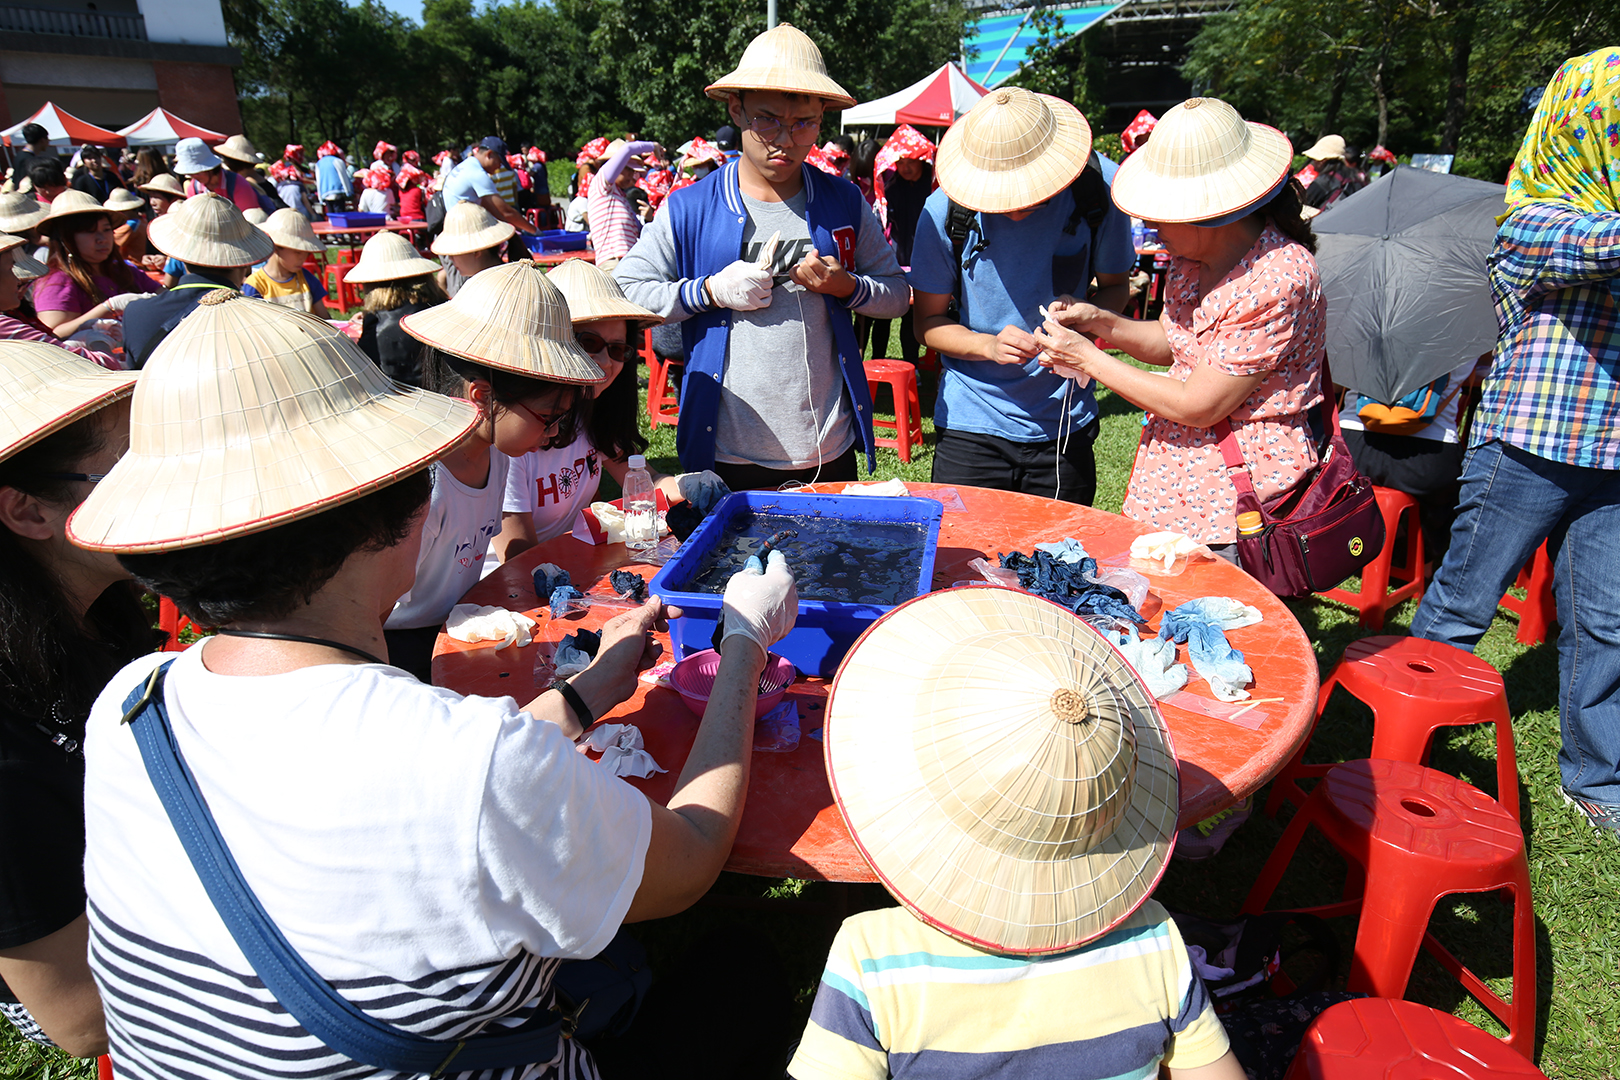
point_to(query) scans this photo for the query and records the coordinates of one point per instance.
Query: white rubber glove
(702, 489)
(122, 300)
(742, 286)
(760, 605)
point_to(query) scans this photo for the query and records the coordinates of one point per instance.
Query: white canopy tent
(936, 101)
(160, 127)
(64, 130)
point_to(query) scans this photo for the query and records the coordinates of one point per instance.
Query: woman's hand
(1075, 314)
(1068, 353)
(627, 647)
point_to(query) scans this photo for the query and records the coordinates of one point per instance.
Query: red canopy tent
(160, 127)
(64, 130)
(936, 101)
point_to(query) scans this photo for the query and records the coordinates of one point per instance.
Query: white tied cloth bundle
(611, 518)
(1166, 547)
(888, 487)
(472, 623)
(622, 750)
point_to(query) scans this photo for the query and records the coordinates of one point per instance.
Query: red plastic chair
(1376, 597)
(901, 379)
(662, 386)
(1413, 835)
(1537, 610)
(1380, 1039)
(338, 289)
(1414, 687)
(171, 622)
(104, 1070)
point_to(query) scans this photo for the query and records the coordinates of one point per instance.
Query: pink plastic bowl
(693, 678)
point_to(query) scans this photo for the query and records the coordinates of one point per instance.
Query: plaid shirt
(1554, 387)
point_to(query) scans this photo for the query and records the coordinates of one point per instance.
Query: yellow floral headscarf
(1572, 151)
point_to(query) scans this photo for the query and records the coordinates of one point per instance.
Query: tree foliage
(555, 73)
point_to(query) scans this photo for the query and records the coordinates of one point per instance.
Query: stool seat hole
(1421, 809)
(1417, 665)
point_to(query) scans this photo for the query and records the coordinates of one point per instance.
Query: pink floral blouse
(1266, 315)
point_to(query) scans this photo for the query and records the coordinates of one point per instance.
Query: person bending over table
(69, 619)
(1242, 331)
(432, 857)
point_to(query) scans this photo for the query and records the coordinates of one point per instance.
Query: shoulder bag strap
(312, 1001)
(1237, 469)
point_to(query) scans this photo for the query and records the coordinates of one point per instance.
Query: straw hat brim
(393, 270)
(290, 240)
(172, 496)
(788, 81)
(168, 234)
(479, 240)
(591, 301)
(999, 191)
(21, 223)
(175, 189)
(64, 401)
(24, 267)
(452, 330)
(899, 693)
(119, 206)
(65, 208)
(1140, 191)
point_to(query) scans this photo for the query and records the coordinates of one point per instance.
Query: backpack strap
(311, 1000)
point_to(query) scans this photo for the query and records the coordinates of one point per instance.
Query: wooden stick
(1256, 703)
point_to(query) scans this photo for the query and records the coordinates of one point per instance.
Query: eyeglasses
(549, 421)
(89, 477)
(595, 343)
(769, 128)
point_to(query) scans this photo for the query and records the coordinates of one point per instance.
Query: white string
(1062, 439)
(810, 395)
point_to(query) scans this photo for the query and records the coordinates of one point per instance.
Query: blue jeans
(1511, 501)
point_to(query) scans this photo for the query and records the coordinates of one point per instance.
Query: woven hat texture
(1203, 162)
(1002, 769)
(250, 415)
(237, 148)
(509, 317)
(783, 58)
(290, 229)
(1327, 148)
(593, 295)
(168, 183)
(1012, 150)
(71, 202)
(388, 256)
(44, 388)
(123, 199)
(208, 230)
(20, 211)
(468, 227)
(24, 267)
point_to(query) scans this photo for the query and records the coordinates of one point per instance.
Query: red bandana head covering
(835, 152)
(1380, 154)
(282, 171)
(591, 151)
(382, 150)
(329, 149)
(703, 150)
(1137, 132)
(294, 152)
(442, 157)
(820, 160)
(534, 153)
(657, 184)
(377, 179)
(906, 143)
(411, 157)
(410, 175)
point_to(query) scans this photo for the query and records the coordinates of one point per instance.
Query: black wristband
(575, 702)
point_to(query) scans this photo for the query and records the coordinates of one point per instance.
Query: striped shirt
(432, 857)
(901, 999)
(1554, 385)
(615, 228)
(506, 186)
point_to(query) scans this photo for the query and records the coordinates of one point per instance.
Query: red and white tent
(160, 127)
(936, 101)
(64, 128)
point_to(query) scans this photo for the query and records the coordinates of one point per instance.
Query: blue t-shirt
(1005, 285)
(467, 182)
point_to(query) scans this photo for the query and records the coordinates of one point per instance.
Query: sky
(409, 8)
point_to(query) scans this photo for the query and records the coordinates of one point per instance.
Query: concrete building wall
(185, 22)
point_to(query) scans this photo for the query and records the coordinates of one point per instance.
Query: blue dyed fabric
(1049, 576)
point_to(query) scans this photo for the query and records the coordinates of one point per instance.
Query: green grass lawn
(1574, 871)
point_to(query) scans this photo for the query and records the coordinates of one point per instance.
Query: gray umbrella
(1403, 270)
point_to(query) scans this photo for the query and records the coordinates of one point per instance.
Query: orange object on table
(790, 827)
(556, 258)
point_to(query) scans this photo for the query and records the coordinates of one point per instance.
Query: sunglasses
(594, 343)
(769, 128)
(547, 421)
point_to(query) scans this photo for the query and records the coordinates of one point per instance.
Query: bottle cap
(637, 461)
(1250, 521)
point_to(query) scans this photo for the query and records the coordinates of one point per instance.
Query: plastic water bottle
(640, 509)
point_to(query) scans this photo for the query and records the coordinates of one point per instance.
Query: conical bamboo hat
(782, 58)
(208, 230)
(468, 227)
(24, 267)
(44, 388)
(250, 415)
(593, 295)
(290, 229)
(388, 256)
(509, 317)
(1014, 149)
(20, 211)
(1002, 769)
(1203, 163)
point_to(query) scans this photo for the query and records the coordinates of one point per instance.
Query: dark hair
(47, 173)
(844, 142)
(88, 152)
(1283, 211)
(65, 256)
(864, 157)
(448, 374)
(614, 423)
(33, 133)
(270, 574)
(53, 665)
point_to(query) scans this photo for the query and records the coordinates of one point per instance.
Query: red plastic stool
(338, 288)
(662, 392)
(1376, 597)
(171, 622)
(1375, 1038)
(901, 378)
(1413, 835)
(1413, 687)
(104, 1070)
(1537, 610)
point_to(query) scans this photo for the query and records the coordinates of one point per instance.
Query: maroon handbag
(1323, 530)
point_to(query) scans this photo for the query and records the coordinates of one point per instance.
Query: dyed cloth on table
(549, 577)
(561, 599)
(1069, 584)
(575, 652)
(1201, 625)
(629, 584)
(1154, 658)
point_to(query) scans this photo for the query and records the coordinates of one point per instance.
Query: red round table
(790, 827)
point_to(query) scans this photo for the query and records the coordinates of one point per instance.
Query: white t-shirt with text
(461, 521)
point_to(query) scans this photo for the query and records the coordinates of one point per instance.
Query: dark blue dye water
(866, 562)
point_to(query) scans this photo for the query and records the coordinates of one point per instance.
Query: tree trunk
(1330, 119)
(1383, 102)
(1462, 46)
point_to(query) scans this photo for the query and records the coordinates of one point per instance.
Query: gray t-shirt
(782, 398)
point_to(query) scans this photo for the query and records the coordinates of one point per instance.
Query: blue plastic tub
(825, 629)
(555, 240)
(353, 220)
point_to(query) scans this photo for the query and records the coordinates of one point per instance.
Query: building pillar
(204, 94)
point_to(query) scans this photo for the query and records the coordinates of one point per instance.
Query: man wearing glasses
(775, 390)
